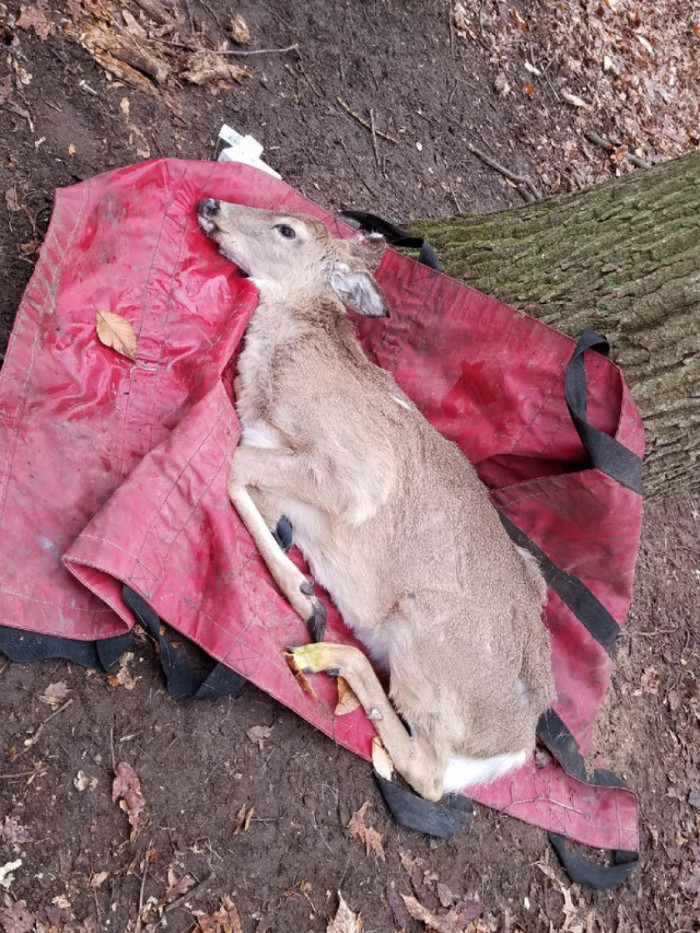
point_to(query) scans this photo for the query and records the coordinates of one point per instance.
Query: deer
(391, 517)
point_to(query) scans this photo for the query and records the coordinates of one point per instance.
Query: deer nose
(208, 207)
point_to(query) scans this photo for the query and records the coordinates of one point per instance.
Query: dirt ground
(434, 84)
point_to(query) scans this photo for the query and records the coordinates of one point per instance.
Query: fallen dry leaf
(116, 332)
(573, 99)
(409, 861)
(6, 873)
(82, 782)
(11, 200)
(444, 923)
(204, 67)
(33, 18)
(371, 838)
(650, 681)
(16, 918)
(224, 920)
(239, 30)
(345, 921)
(123, 677)
(243, 818)
(347, 701)
(381, 760)
(55, 694)
(258, 734)
(177, 889)
(299, 676)
(98, 878)
(127, 786)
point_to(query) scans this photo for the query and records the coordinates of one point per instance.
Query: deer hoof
(317, 622)
(283, 534)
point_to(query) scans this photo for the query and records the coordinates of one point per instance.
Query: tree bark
(623, 258)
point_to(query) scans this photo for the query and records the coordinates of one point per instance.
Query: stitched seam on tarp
(131, 394)
(45, 268)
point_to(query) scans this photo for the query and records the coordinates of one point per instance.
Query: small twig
(35, 738)
(374, 135)
(20, 774)
(454, 198)
(363, 122)
(196, 48)
(111, 748)
(506, 172)
(191, 894)
(309, 81)
(137, 928)
(608, 146)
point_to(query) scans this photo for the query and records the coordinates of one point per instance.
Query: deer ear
(358, 290)
(367, 249)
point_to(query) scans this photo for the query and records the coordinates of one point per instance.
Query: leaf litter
(345, 921)
(126, 788)
(371, 838)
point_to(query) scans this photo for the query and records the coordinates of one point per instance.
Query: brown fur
(392, 518)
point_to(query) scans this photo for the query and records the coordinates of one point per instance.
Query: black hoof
(306, 588)
(283, 534)
(317, 622)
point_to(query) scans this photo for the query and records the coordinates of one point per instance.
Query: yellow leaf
(116, 333)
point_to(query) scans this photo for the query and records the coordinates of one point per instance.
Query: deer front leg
(416, 759)
(293, 584)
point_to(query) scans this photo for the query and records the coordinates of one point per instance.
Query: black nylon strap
(553, 732)
(184, 683)
(395, 236)
(442, 819)
(19, 645)
(606, 453)
(586, 607)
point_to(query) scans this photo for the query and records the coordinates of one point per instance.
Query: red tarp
(113, 471)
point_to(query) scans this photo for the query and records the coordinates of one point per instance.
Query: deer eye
(285, 231)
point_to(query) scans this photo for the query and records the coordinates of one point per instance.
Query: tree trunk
(624, 259)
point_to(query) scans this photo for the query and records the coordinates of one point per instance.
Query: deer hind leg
(291, 581)
(416, 759)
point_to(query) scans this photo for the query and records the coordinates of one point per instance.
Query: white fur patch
(402, 402)
(260, 435)
(464, 772)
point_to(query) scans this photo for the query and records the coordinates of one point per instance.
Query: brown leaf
(123, 677)
(239, 30)
(55, 694)
(11, 200)
(528, 88)
(16, 918)
(243, 818)
(381, 759)
(371, 838)
(116, 333)
(127, 786)
(258, 734)
(518, 20)
(224, 920)
(82, 782)
(650, 681)
(345, 921)
(347, 701)
(33, 18)
(177, 889)
(204, 67)
(409, 861)
(299, 676)
(445, 923)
